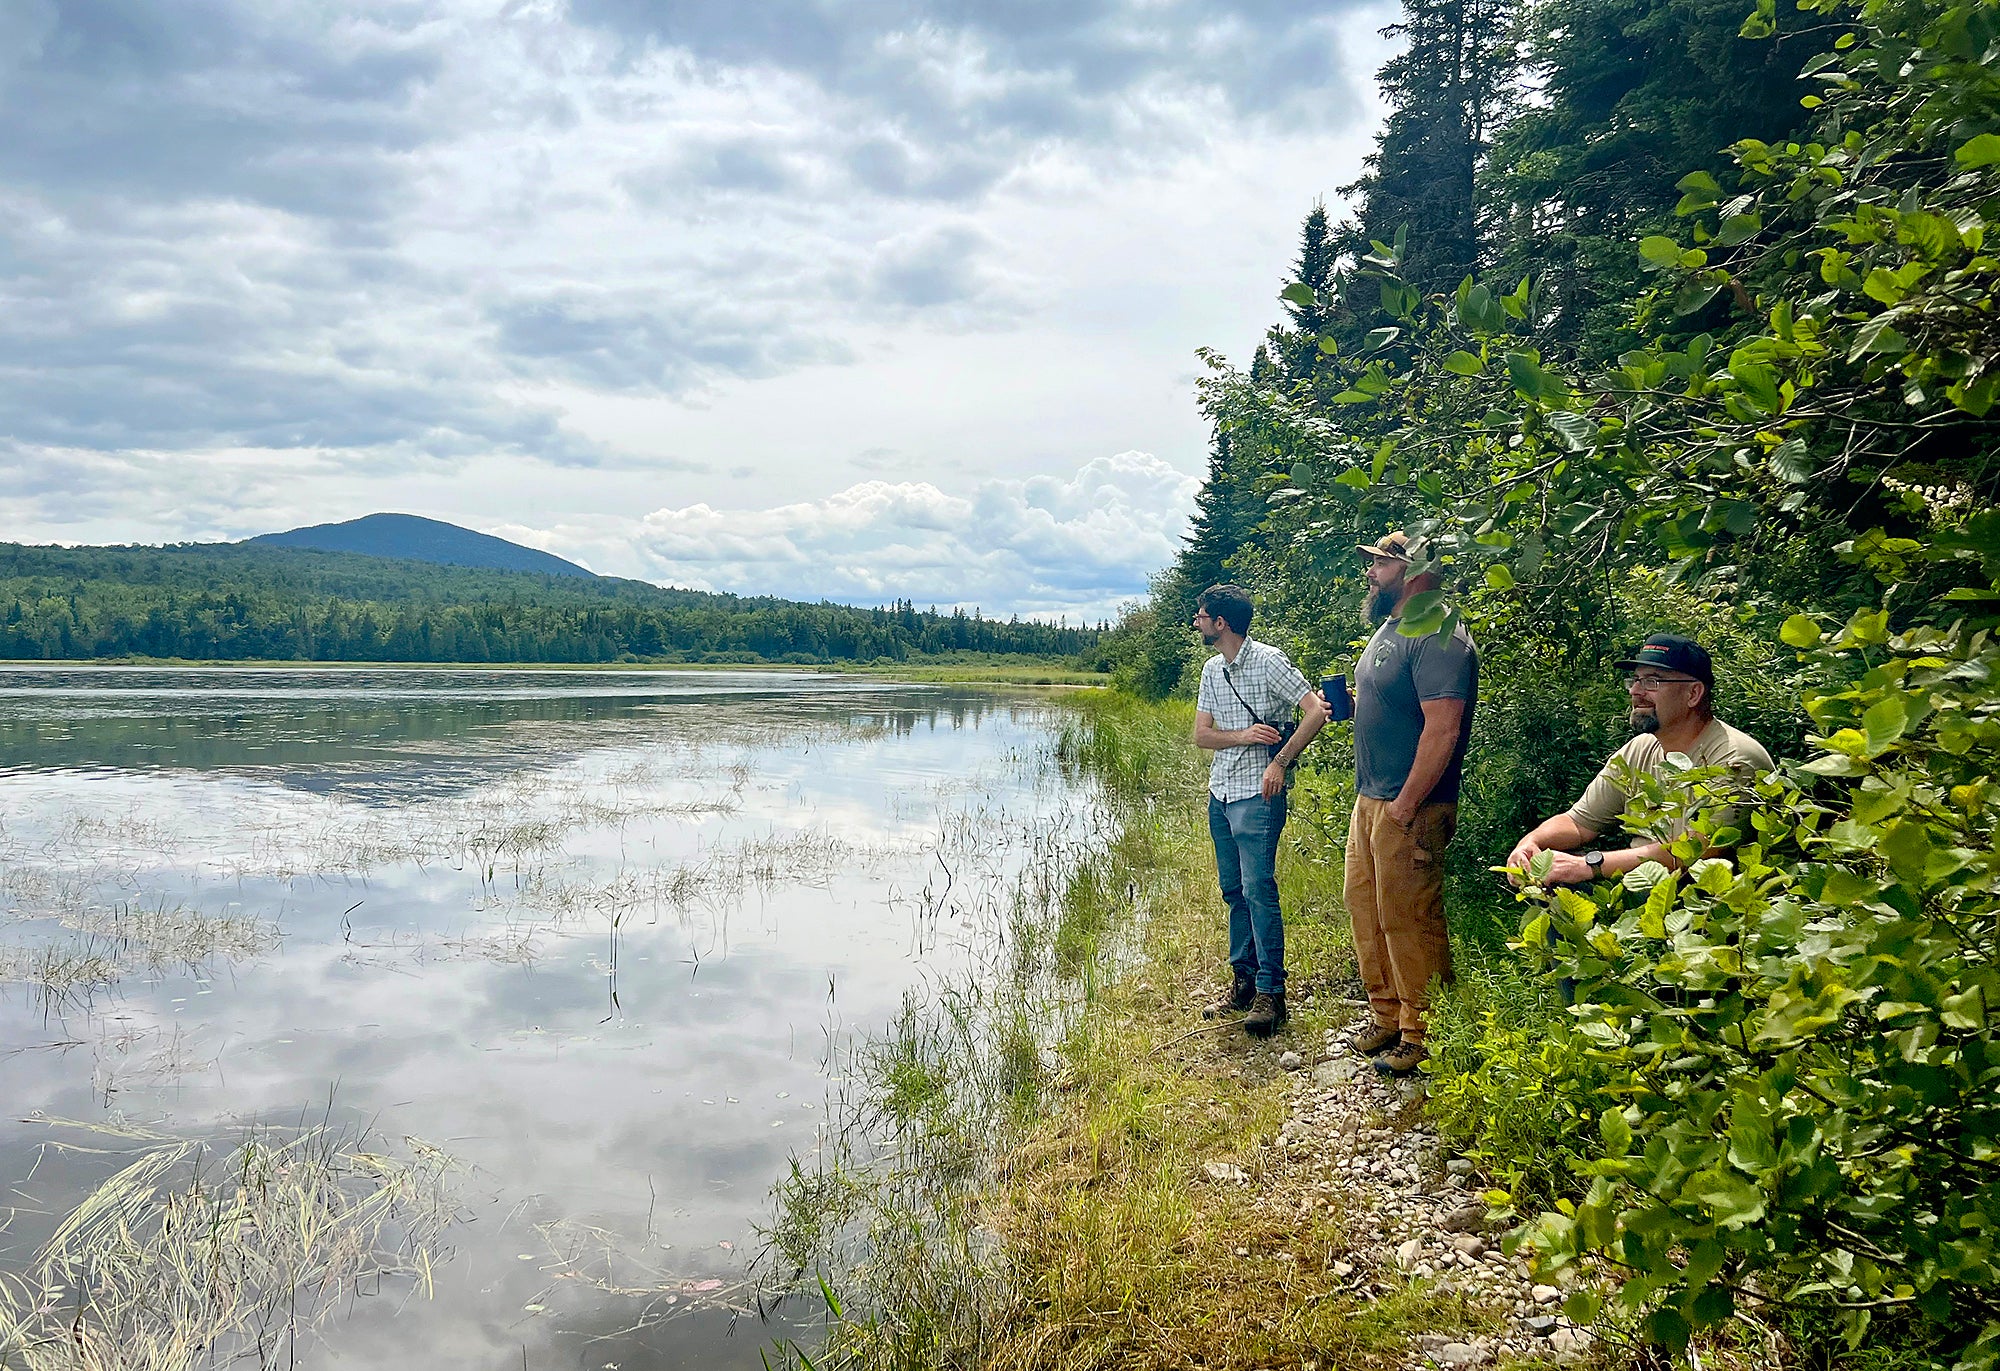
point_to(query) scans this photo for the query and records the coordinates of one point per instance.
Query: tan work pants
(1395, 895)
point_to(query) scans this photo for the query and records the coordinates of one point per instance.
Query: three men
(1413, 706)
(1671, 683)
(1249, 689)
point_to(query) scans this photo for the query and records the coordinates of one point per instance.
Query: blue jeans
(1246, 864)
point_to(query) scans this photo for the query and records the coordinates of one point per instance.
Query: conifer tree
(1296, 343)
(1450, 93)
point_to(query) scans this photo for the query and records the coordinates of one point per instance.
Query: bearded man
(1671, 684)
(1413, 703)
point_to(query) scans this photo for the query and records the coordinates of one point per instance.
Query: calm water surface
(601, 936)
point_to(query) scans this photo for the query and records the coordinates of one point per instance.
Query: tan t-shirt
(1719, 745)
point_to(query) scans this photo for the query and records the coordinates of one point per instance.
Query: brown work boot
(1374, 1038)
(1266, 1016)
(1242, 990)
(1402, 1060)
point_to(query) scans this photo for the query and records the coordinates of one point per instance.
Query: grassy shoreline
(1084, 1198)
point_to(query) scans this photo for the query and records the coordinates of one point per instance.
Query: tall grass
(187, 1256)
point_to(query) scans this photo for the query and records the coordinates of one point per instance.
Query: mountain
(416, 539)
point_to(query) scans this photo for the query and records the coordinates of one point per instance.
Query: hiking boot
(1266, 1016)
(1402, 1060)
(1375, 1038)
(1242, 990)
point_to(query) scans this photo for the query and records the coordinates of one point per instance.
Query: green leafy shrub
(1512, 1083)
(1803, 1037)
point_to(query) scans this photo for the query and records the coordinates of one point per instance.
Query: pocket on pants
(1432, 832)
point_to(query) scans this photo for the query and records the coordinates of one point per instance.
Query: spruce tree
(1450, 90)
(1296, 343)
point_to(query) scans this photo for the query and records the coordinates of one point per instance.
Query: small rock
(1471, 1244)
(1340, 1070)
(1470, 1219)
(1460, 1354)
(1406, 1255)
(1242, 1251)
(1225, 1171)
(1291, 1061)
(1423, 1271)
(1459, 1166)
(1542, 1325)
(1568, 1341)
(1545, 1294)
(1345, 1269)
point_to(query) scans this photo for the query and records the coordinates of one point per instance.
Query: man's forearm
(1433, 756)
(1211, 739)
(1311, 722)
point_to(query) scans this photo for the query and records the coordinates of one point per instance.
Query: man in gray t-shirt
(1413, 702)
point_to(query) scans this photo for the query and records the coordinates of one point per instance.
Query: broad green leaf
(1908, 847)
(1617, 1133)
(1967, 1011)
(1981, 151)
(1878, 335)
(1884, 723)
(1463, 363)
(1299, 293)
(1790, 462)
(1800, 632)
(1380, 338)
(1737, 228)
(1643, 877)
(1732, 1200)
(1499, 577)
(1758, 381)
(1578, 434)
(1659, 253)
(1423, 615)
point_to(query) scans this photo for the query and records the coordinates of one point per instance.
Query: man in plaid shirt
(1247, 689)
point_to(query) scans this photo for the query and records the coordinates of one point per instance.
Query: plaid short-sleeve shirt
(1269, 684)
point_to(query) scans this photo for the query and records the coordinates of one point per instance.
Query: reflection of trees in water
(384, 737)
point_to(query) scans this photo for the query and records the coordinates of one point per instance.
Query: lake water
(602, 937)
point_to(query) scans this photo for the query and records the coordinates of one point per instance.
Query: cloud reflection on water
(683, 1095)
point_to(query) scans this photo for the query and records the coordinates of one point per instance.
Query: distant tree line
(235, 603)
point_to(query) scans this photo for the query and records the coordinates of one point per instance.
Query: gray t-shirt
(1392, 680)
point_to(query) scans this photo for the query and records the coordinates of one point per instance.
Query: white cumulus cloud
(1046, 546)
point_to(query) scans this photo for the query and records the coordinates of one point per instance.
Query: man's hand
(1403, 814)
(1258, 733)
(1274, 781)
(1524, 852)
(1566, 868)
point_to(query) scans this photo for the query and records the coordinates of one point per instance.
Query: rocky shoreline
(1355, 1145)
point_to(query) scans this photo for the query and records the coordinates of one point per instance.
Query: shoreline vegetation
(1075, 1169)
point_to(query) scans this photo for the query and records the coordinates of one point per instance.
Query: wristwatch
(1595, 861)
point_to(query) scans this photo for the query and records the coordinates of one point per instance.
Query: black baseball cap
(1671, 652)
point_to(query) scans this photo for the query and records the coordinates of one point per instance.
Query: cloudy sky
(852, 299)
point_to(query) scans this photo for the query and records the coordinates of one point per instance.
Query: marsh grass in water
(191, 1256)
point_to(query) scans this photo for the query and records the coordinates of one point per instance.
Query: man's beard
(1645, 721)
(1209, 636)
(1382, 602)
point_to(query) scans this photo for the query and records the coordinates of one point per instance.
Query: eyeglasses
(1649, 683)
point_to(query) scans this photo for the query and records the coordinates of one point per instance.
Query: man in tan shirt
(1672, 687)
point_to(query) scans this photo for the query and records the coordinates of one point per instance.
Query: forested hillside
(240, 602)
(1701, 336)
